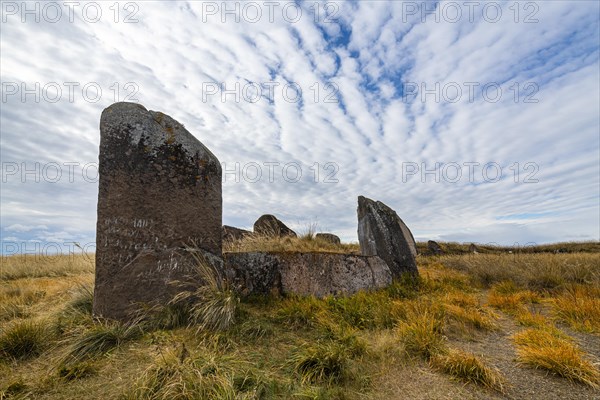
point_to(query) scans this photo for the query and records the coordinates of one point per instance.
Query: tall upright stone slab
(159, 191)
(382, 233)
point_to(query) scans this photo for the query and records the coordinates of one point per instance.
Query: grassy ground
(480, 326)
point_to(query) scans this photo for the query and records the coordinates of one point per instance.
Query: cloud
(24, 228)
(354, 123)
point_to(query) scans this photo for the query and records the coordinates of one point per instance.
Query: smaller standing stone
(329, 237)
(434, 247)
(382, 233)
(231, 233)
(269, 225)
(472, 248)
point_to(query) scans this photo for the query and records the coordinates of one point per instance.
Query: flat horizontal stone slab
(318, 274)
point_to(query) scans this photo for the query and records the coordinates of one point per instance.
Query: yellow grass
(543, 349)
(477, 318)
(468, 368)
(506, 297)
(545, 271)
(579, 306)
(373, 335)
(422, 330)
(303, 244)
(35, 266)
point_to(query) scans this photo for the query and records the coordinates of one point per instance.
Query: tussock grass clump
(100, 339)
(16, 389)
(213, 304)
(360, 310)
(507, 297)
(422, 331)
(300, 311)
(321, 362)
(543, 349)
(468, 368)
(23, 339)
(77, 314)
(464, 308)
(579, 306)
(178, 376)
(533, 319)
(475, 317)
(344, 335)
(82, 300)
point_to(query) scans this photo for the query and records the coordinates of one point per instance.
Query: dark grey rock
(472, 248)
(329, 237)
(231, 233)
(381, 232)
(434, 248)
(159, 191)
(269, 225)
(318, 274)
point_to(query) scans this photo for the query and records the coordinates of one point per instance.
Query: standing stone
(434, 247)
(269, 225)
(472, 248)
(329, 237)
(231, 233)
(159, 191)
(381, 232)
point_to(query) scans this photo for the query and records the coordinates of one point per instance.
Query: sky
(475, 121)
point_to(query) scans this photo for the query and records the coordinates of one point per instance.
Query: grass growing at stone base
(303, 347)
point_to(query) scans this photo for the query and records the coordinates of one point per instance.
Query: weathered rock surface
(472, 248)
(318, 274)
(434, 247)
(231, 233)
(159, 190)
(381, 232)
(269, 225)
(329, 237)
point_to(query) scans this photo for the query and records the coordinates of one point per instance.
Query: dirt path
(523, 382)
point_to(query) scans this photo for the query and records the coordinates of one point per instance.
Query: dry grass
(543, 349)
(475, 317)
(579, 306)
(293, 347)
(422, 330)
(508, 298)
(529, 271)
(533, 319)
(564, 247)
(212, 305)
(305, 244)
(35, 266)
(321, 362)
(177, 375)
(23, 339)
(468, 368)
